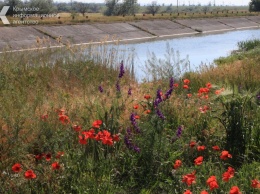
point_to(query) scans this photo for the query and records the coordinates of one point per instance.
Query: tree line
(108, 8)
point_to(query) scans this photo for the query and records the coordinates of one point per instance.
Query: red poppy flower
(17, 167)
(136, 106)
(55, 166)
(255, 183)
(204, 192)
(44, 117)
(187, 192)
(59, 154)
(198, 161)
(185, 86)
(208, 85)
(39, 156)
(186, 81)
(212, 182)
(147, 96)
(137, 117)
(176, 85)
(225, 155)
(217, 92)
(77, 128)
(64, 119)
(177, 164)
(228, 174)
(29, 174)
(116, 137)
(189, 178)
(234, 190)
(48, 157)
(97, 123)
(192, 144)
(148, 111)
(189, 95)
(204, 109)
(201, 148)
(216, 148)
(82, 140)
(203, 90)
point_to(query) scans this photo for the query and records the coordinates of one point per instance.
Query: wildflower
(234, 190)
(198, 161)
(55, 166)
(39, 156)
(204, 192)
(29, 174)
(117, 86)
(147, 96)
(134, 123)
(128, 141)
(44, 117)
(59, 154)
(217, 92)
(82, 140)
(116, 137)
(189, 178)
(101, 89)
(90, 134)
(64, 119)
(171, 84)
(208, 85)
(136, 106)
(48, 157)
(189, 95)
(179, 131)
(225, 155)
(137, 117)
(160, 115)
(185, 86)
(187, 192)
(176, 85)
(186, 81)
(255, 183)
(168, 93)
(204, 109)
(201, 148)
(212, 182)
(122, 71)
(148, 111)
(228, 174)
(216, 148)
(203, 90)
(77, 128)
(129, 91)
(17, 167)
(177, 164)
(97, 123)
(192, 144)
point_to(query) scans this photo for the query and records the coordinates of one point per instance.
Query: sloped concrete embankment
(31, 37)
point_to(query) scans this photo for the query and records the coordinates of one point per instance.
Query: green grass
(33, 86)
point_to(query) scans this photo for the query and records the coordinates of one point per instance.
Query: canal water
(199, 49)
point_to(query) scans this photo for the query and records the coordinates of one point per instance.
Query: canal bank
(34, 37)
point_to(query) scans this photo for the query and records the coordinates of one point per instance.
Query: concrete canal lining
(20, 38)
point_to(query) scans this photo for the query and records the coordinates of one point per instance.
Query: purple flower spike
(159, 113)
(171, 82)
(129, 91)
(122, 71)
(179, 131)
(118, 86)
(100, 89)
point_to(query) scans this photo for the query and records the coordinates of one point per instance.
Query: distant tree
(45, 6)
(63, 7)
(169, 9)
(153, 8)
(112, 7)
(94, 8)
(82, 8)
(254, 5)
(128, 7)
(12, 3)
